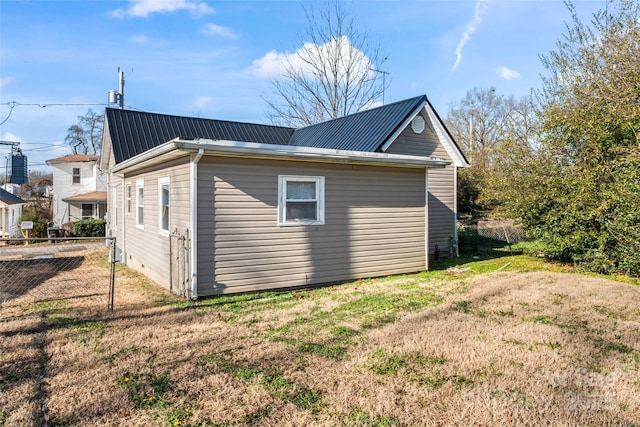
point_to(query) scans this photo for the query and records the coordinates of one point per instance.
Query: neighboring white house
(10, 213)
(79, 188)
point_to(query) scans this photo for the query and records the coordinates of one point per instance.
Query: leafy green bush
(89, 228)
(39, 228)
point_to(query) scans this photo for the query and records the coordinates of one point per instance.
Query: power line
(13, 104)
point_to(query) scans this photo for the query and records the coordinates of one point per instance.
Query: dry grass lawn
(492, 349)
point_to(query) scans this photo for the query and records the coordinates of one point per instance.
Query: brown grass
(509, 348)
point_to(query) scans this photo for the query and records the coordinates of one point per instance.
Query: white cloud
(217, 30)
(274, 64)
(472, 26)
(144, 8)
(8, 136)
(140, 39)
(5, 81)
(507, 73)
(203, 101)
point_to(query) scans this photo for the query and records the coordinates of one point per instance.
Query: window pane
(164, 224)
(301, 190)
(301, 211)
(87, 210)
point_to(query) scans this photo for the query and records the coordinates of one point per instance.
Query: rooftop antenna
(384, 79)
(117, 97)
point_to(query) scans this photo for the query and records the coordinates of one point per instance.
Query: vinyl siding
(146, 249)
(374, 225)
(442, 191)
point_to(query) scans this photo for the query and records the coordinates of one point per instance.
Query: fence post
(112, 276)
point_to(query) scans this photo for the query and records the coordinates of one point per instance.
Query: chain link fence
(501, 230)
(75, 274)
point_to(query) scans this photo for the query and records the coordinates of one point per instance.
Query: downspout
(455, 251)
(123, 254)
(193, 259)
(426, 218)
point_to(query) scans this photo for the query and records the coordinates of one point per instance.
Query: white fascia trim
(260, 150)
(445, 139)
(157, 151)
(404, 125)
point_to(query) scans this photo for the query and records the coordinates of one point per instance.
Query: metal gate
(179, 268)
(77, 273)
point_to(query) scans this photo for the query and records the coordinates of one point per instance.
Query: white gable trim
(402, 127)
(452, 149)
(443, 136)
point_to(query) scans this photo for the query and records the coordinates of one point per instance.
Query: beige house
(208, 207)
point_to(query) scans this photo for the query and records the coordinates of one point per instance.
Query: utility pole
(117, 97)
(15, 148)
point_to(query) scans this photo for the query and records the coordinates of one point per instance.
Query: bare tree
(85, 137)
(499, 136)
(335, 72)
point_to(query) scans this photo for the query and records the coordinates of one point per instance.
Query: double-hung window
(300, 200)
(76, 175)
(114, 218)
(128, 199)
(163, 205)
(140, 203)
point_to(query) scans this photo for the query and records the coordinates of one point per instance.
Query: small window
(140, 203)
(163, 214)
(300, 200)
(128, 201)
(87, 210)
(76, 175)
(114, 217)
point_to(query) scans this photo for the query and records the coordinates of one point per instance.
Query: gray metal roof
(366, 130)
(134, 132)
(9, 198)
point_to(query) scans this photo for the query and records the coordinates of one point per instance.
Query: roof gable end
(366, 130)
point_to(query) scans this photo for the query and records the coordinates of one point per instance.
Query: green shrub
(89, 228)
(39, 228)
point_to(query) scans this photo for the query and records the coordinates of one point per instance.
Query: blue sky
(214, 59)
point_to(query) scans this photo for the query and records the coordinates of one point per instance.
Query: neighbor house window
(128, 197)
(163, 205)
(300, 200)
(76, 175)
(140, 203)
(87, 210)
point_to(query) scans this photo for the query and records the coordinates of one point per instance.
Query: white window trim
(74, 176)
(127, 199)
(139, 185)
(114, 218)
(162, 181)
(282, 202)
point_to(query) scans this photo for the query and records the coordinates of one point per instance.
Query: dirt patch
(503, 349)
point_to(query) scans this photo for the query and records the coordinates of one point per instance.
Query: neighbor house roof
(74, 158)
(134, 132)
(10, 199)
(93, 196)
